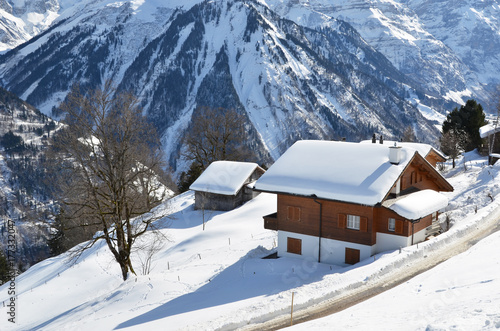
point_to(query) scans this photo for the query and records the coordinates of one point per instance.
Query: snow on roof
(224, 177)
(488, 130)
(421, 148)
(351, 172)
(419, 204)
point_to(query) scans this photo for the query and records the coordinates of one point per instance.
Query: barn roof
(224, 177)
(342, 171)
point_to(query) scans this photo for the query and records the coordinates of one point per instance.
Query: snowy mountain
(22, 20)
(449, 47)
(291, 82)
(295, 69)
(217, 279)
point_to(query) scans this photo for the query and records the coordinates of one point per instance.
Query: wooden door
(351, 255)
(294, 246)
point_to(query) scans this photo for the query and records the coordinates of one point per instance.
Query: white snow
(224, 177)
(351, 172)
(488, 129)
(460, 294)
(421, 148)
(419, 204)
(216, 279)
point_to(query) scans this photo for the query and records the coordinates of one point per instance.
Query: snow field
(216, 278)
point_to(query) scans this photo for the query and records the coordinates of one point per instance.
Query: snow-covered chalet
(225, 185)
(341, 202)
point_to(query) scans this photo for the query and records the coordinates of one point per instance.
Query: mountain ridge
(320, 80)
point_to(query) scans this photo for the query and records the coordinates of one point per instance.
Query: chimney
(374, 139)
(395, 154)
(381, 139)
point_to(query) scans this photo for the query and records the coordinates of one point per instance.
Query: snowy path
(428, 258)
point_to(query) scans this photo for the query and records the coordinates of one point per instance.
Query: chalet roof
(421, 148)
(351, 172)
(341, 171)
(417, 205)
(224, 177)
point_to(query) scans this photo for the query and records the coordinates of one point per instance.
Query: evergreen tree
(468, 119)
(188, 178)
(12, 142)
(56, 242)
(4, 269)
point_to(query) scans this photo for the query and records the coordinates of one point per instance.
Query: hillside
(24, 134)
(217, 278)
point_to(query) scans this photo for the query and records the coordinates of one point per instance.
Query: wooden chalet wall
(433, 158)
(418, 177)
(403, 227)
(301, 215)
(305, 219)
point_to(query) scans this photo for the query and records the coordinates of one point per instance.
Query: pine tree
(468, 119)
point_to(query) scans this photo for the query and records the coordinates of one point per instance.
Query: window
(353, 222)
(293, 214)
(392, 224)
(294, 245)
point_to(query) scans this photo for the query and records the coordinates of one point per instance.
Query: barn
(225, 185)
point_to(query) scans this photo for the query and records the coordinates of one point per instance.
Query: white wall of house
(309, 245)
(332, 251)
(389, 242)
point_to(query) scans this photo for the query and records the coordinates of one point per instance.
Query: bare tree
(216, 134)
(109, 169)
(409, 134)
(147, 248)
(452, 142)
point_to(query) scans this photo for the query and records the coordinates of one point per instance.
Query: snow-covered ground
(459, 294)
(216, 278)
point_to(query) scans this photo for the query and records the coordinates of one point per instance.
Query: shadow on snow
(249, 277)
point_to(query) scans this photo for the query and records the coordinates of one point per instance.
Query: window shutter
(342, 221)
(363, 224)
(293, 213)
(399, 226)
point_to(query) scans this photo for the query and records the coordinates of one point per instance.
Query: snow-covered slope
(217, 278)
